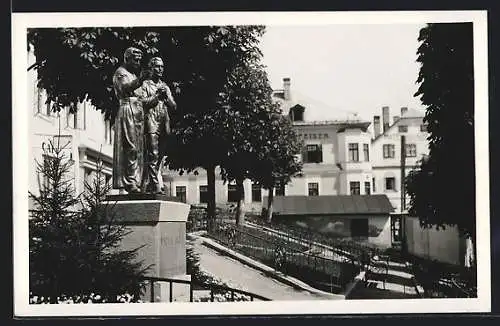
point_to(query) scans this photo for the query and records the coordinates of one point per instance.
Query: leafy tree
(447, 90)
(72, 237)
(204, 138)
(277, 162)
(251, 123)
(198, 61)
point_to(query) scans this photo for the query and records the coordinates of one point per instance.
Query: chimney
(286, 89)
(385, 118)
(376, 125)
(395, 119)
(404, 110)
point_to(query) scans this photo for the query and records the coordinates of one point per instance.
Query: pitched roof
(323, 205)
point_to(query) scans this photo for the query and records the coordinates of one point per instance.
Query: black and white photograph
(250, 163)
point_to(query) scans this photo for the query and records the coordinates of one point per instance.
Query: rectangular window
(87, 178)
(232, 193)
(367, 188)
(109, 181)
(280, 189)
(39, 99)
(359, 228)
(75, 120)
(354, 186)
(313, 189)
(389, 151)
(403, 128)
(180, 192)
(111, 133)
(106, 135)
(256, 193)
(68, 118)
(366, 152)
(48, 108)
(204, 194)
(423, 128)
(48, 165)
(411, 150)
(353, 152)
(84, 124)
(107, 131)
(313, 154)
(390, 183)
(373, 185)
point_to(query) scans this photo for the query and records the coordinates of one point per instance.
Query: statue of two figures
(141, 124)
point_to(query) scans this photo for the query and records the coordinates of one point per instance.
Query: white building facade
(85, 136)
(386, 152)
(336, 161)
(340, 157)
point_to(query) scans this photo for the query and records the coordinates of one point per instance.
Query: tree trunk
(270, 205)
(211, 195)
(240, 208)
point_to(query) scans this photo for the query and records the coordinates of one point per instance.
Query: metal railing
(350, 247)
(288, 255)
(213, 288)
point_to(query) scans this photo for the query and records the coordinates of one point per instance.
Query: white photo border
(20, 116)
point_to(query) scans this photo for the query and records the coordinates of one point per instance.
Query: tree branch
(36, 64)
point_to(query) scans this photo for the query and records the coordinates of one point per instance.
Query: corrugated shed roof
(323, 205)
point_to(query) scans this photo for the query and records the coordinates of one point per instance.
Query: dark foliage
(74, 246)
(442, 190)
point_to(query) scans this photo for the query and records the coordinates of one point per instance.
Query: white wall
(383, 225)
(89, 134)
(444, 245)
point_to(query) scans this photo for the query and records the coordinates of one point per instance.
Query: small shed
(360, 217)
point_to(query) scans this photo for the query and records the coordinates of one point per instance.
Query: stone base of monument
(161, 291)
(157, 226)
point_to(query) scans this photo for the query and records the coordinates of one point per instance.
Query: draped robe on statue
(128, 156)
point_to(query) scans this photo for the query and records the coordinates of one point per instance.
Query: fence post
(211, 295)
(170, 291)
(232, 295)
(152, 294)
(191, 292)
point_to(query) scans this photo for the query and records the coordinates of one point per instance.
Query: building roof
(311, 105)
(343, 124)
(331, 205)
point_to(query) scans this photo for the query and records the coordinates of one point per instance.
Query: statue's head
(132, 57)
(156, 66)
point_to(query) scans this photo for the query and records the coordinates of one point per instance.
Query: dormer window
(297, 113)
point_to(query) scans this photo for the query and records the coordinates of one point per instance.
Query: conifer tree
(74, 249)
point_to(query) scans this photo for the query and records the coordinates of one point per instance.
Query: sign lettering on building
(313, 136)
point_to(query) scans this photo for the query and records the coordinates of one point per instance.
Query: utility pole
(403, 174)
(402, 220)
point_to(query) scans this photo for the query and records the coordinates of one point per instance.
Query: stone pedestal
(158, 227)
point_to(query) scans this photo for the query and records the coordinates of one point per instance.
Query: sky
(342, 70)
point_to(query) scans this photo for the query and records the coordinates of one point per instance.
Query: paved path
(241, 276)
